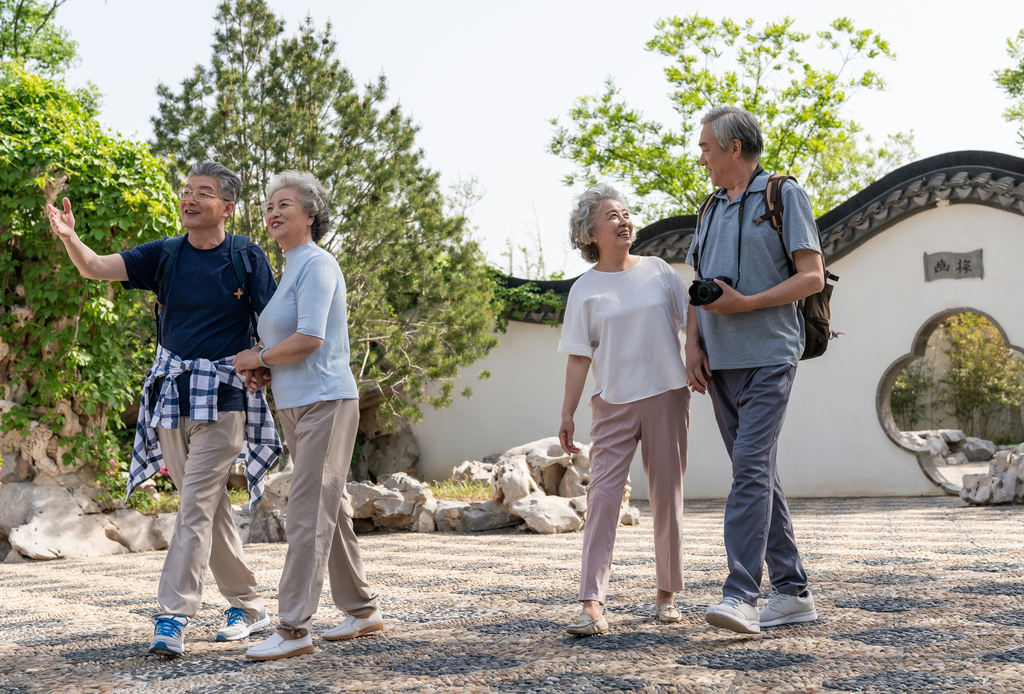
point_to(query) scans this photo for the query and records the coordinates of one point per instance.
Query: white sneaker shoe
(240, 626)
(169, 635)
(789, 609)
(735, 615)
(351, 627)
(277, 647)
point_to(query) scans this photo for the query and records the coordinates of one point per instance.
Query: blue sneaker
(240, 626)
(168, 635)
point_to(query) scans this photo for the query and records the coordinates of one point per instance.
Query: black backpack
(239, 262)
(815, 308)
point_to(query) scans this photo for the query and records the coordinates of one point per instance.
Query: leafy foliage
(461, 490)
(1011, 80)
(799, 106)
(75, 350)
(420, 303)
(983, 373)
(29, 37)
(513, 303)
(907, 398)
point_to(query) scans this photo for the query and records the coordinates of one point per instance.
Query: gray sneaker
(789, 609)
(735, 615)
(240, 625)
(168, 635)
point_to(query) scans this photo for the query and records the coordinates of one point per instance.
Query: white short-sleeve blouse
(628, 324)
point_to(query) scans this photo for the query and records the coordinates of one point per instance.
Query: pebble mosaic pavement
(914, 595)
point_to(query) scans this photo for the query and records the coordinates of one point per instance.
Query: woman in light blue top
(305, 346)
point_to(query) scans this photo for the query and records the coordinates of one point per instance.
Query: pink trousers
(660, 424)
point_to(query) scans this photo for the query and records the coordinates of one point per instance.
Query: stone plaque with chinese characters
(953, 266)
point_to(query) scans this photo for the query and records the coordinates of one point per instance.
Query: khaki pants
(198, 457)
(660, 423)
(320, 437)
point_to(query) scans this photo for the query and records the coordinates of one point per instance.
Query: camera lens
(703, 293)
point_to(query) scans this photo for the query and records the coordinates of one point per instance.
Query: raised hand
(62, 222)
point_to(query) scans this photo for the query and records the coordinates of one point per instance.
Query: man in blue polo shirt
(206, 316)
(743, 349)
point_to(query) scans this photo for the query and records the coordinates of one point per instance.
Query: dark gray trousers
(750, 406)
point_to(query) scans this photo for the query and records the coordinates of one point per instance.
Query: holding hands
(247, 364)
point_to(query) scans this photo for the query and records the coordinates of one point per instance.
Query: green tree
(800, 106)
(983, 375)
(420, 302)
(907, 398)
(29, 36)
(72, 351)
(1011, 80)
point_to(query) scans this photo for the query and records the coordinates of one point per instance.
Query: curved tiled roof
(971, 177)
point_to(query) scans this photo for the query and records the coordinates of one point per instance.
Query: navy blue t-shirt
(202, 314)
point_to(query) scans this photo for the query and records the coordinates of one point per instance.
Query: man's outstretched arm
(92, 266)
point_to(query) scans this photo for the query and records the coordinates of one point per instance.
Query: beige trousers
(320, 437)
(660, 423)
(198, 457)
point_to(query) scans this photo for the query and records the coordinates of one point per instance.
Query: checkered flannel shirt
(262, 445)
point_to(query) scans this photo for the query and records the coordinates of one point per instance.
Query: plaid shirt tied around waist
(262, 445)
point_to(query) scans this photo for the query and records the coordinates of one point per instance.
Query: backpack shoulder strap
(166, 262)
(240, 260)
(773, 207)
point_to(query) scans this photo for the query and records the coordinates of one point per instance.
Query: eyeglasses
(199, 195)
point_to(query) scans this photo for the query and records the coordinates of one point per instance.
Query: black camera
(704, 291)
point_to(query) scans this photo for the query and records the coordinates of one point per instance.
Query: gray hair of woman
(584, 217)
(313, 197)
(729, 123)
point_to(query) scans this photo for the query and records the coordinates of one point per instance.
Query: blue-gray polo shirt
(767, 336)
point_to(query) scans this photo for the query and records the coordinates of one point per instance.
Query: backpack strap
(243, 269)
(171, 248)
(773, 209)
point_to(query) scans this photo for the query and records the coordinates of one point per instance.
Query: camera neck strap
(739, 234)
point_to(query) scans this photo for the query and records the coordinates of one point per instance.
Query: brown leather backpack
(814, 308)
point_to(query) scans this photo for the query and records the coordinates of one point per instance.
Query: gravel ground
(913, 595)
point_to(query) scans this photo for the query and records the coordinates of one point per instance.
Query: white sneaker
(277, 647)
(240, 626)
(735, 615)
(789, 609)
(168, 635)
(351, 627)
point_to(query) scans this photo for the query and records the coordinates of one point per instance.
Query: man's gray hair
(313, 197)
(729, 123)
(584, 217)
(227, 180)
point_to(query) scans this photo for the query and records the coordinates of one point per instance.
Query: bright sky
(483, 78)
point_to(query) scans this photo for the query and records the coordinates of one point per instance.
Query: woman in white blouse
(623, 317)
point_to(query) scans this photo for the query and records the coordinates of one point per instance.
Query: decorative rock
(957, 459)
(21, 502)
(448, 515)
(512, 480)
(424, 517)
(472, 470)
(397, 452)
(131, 529)
(163, 529)
(1004, 490)
(243, 521)
(977, 450)
(15, 468)
(14, 557)
(547, 514)
(236, 480)
(362, 495)
(52, 537)
(394, 510)
(629, 515)
(977, 489)
(487, 515)
(575, 481)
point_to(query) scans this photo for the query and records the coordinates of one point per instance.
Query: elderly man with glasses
(197, 417)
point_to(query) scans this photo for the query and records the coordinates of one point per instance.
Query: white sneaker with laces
(169, 635)
(239, 625)
(277, 647)
(351, 627)
(789, 609)
(735, 615)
